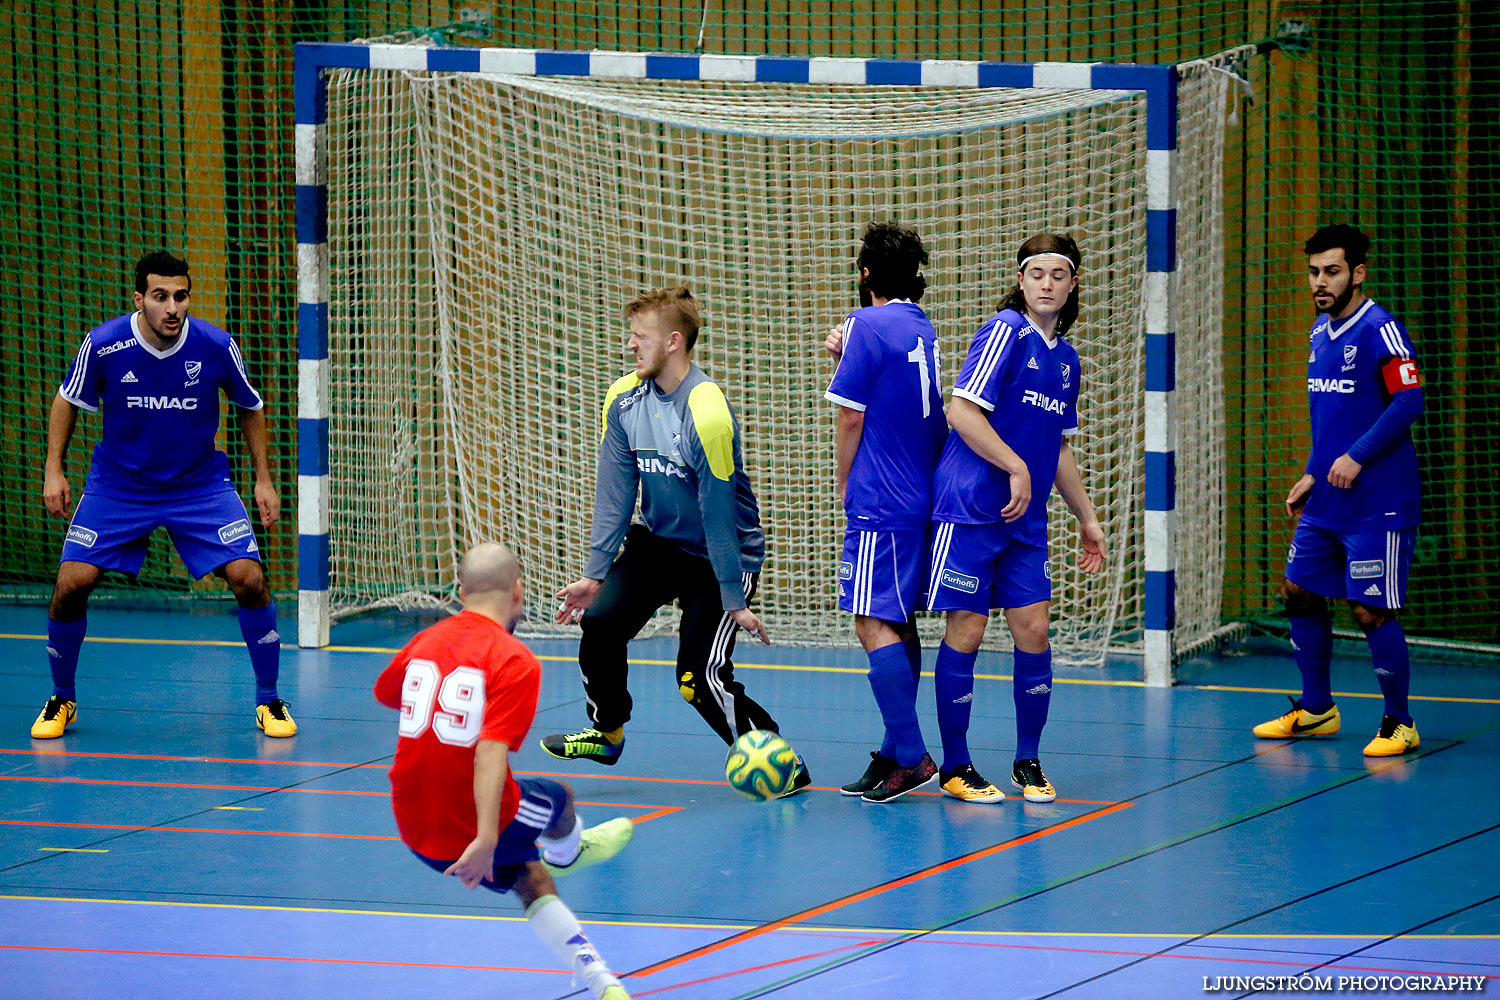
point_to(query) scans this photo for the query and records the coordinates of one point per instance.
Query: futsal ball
(760, 765)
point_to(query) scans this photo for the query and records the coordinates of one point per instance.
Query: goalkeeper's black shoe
(586, 744)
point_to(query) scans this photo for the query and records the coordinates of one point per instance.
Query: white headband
(1048, 253)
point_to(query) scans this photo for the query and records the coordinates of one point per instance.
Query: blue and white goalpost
(474, 205)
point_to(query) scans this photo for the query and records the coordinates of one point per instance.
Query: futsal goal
(472, 221)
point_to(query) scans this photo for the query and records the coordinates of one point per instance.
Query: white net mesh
(1198, 288)
(486, 231)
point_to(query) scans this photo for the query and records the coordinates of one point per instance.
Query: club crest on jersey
(82, 536)
(1035, 398)
(960, 582)
(1067, 374)
(1367, 569)
(234, 530)
(194, 368)
(1349, 351)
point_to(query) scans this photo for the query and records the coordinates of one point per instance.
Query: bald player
(467, 690)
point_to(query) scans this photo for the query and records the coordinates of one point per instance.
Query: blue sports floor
(165, 848)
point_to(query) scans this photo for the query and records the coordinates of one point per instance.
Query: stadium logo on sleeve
(960, 582)
(1367, 569)
(112, 348)
(237, 529)
(82, 536)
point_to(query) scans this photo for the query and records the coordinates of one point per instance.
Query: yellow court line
(802, 929)
(1346, 694)
(793, 667)
(75, 850)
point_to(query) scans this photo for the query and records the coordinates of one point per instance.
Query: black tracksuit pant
(650, 573)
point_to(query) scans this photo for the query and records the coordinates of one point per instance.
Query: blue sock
(896, 694)
(1392, 667)
(914, 657)
(64, 640)
(258, 626)
(955, 697)
(1312, 648)
(1033, 694)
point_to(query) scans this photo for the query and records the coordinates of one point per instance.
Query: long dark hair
(1048, 243)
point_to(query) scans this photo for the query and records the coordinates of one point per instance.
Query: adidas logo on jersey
(128, 377)
(1373, 590)
(1031, 363)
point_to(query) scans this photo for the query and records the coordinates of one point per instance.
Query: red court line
(185, 784)
(574, 775)
(274, 788)
(757, 968)
(190, 829)
(195, 760)
(663, 811)
(277, 958)
(857, 897)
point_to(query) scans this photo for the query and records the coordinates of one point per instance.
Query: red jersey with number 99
(460, 681)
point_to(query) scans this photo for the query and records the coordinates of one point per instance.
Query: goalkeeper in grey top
(667, 433)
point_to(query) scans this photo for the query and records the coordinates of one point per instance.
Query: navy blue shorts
(977, 567)
(542, 801)
(1367, 566)
(883, 573)
(208, 531)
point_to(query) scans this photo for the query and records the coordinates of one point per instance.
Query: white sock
(558, 929)
(564, 850)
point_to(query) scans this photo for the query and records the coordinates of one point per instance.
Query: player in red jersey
(467, 690)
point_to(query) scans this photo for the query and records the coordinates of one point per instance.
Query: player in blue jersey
(889, 433)
(1014, 406)
(667, 436)
(1360, 500)
(156, 374)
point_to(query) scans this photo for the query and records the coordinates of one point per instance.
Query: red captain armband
(1400, 374)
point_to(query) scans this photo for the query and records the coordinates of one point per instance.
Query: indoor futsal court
(413, 276)
(164, 848)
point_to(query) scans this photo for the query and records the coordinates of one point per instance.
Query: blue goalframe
(1157, 83)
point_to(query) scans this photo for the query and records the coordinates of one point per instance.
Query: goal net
(485, 231)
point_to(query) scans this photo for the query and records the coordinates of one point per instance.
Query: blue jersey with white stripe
(1029, 385)
(889, 371)
(1356, 367)
(161, 408)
